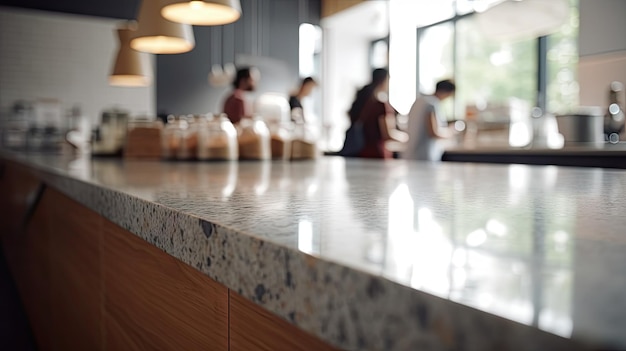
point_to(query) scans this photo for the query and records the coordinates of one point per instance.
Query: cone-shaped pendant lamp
(128, 70)
(202, 12)
(157, 35)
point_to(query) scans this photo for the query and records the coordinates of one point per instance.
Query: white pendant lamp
(202, 12)
(129, 69)
(221, 74)
(157, 35)
(523, 19)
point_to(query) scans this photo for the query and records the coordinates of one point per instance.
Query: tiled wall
(64, 57)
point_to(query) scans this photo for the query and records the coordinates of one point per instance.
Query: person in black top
(379, 76)
(295, 104)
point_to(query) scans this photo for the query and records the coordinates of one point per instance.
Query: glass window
(429, 12)
(464, 6)
(436, 58)
(493, 72)
(379, 54)
(436, 51)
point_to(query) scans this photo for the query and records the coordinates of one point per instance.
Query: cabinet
(54, 259)
(25, 245)
(75, 273)
(27, 253)
(254, 328)
(18, 190)
(88, 284)
(155, 302)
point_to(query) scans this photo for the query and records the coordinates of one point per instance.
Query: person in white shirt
(427, 126)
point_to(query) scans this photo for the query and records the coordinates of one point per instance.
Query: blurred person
(295, 101)
(235, 106)
(427, 125)
(373, 116)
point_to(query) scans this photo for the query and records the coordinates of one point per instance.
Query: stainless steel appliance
(583, 127)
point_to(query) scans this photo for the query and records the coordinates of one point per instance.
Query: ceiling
(122, 9)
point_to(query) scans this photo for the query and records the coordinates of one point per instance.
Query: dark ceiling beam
(121, 9)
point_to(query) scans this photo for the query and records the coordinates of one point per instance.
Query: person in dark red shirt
(235, 106)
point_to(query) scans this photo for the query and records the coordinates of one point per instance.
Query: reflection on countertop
(542, 246)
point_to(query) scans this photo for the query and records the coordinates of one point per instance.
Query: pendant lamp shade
(128, 70)
(157, 35)
(202, 12)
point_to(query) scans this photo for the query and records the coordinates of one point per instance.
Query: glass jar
(254, 140)
(280, 137)
(170, 137)
(110, 135)
(217, 139)
(188, 139)
(14, 134)
(15, 123)
(304, 145)
(143, 138)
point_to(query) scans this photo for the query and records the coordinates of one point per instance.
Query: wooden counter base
(88, 284)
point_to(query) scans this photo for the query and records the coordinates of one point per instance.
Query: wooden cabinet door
(75, 275)
(254, 328)
(155, 302)
(28, 256)
(18, 192)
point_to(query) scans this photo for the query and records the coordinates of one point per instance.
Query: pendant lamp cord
(216, 44)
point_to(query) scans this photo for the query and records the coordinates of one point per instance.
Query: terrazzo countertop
(386, 255)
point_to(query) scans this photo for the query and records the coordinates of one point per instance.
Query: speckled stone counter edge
(346, 307)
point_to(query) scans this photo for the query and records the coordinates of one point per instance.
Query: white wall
(602, 26)
(596, 72)
(64, 57)
(602, 48)
(347, 37)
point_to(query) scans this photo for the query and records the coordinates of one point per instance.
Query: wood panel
(155, 302)
(87, 284)
(27, 253)
(75, 275)
(254, 328)
(331, 7)
(17, 190)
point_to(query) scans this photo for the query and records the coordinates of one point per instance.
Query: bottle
(170, 137)
(188, 149)
(110, 136)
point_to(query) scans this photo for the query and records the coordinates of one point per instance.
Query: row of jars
(212, 137)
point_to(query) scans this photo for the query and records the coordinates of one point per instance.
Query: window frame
(541, 61)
